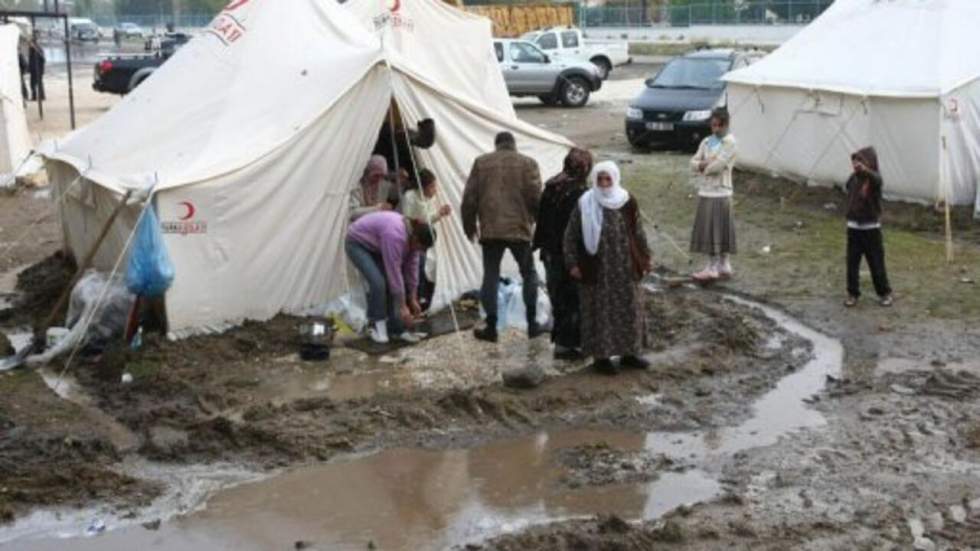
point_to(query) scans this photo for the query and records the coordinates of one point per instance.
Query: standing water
(417, 499)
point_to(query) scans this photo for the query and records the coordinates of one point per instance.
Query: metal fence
(770, 12)
(632, 14)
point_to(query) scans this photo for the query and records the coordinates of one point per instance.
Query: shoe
(410, 338)
(534, 331)
(487, 334)
(851, 302)
(568, 354)
(605, 366)
(707, 274)
(724, 268)
(634, 362)
(886, 301)
(379, 333)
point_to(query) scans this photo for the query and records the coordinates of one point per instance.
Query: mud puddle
(417, 499)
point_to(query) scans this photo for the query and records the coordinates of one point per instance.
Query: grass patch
(806, 243)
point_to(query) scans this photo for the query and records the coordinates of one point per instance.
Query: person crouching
(714, 223)
(386, 247)
(606, 251)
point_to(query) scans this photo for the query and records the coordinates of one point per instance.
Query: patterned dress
(613, 322)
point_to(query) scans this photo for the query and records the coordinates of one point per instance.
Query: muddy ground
(895, 467)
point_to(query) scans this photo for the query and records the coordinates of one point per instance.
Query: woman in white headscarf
(606, 251)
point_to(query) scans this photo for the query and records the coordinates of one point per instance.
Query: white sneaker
(724, 268)
(707, 274)
(379, 333)
(411, 338)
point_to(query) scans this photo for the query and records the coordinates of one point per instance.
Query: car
(122, 74)
(570, 43)
(83, 30)
(675, 107)
(130, 30)
(530, 72)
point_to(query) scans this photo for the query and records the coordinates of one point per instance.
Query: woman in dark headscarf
(561, 195)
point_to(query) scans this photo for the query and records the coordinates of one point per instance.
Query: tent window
(498, 48)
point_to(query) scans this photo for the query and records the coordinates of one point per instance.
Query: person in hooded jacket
(864, 237)
(560, 197)
(606, 251)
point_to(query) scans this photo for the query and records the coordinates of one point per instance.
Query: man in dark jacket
(560, 197)
(502, 195)
(35, 64)
(864, 238)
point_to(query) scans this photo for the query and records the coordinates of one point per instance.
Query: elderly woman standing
(606, 251)
(714, 224)
(374, 192)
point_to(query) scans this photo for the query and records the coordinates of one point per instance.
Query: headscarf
(592, 203)
(578, 163)
(377, 165)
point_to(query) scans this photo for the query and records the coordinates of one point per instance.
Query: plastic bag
(511, 311)
(150, 271)
(108, 323)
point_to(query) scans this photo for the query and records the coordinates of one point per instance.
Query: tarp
(15, 140)
(254, 134)
(866, 72)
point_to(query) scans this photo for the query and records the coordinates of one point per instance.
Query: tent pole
(944, 183)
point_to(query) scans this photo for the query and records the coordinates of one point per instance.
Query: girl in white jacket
(714, 225)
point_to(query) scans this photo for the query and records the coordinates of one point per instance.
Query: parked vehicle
(676, 105)
(570, 43)
(121, 75)
(83, 30)
(130, 30)
(530, 72)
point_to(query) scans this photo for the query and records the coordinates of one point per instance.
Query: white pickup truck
(569, 43)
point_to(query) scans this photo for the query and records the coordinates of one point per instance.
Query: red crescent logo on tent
(190, 210)
(395, 7)
(235, 4)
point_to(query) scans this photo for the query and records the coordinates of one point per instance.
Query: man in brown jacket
(502, 194)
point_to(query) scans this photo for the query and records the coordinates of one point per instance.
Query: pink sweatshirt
(386, 233)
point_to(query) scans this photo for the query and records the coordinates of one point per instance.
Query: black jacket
(864, 190)
(560, 197)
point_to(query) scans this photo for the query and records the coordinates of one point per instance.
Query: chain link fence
(770, 12)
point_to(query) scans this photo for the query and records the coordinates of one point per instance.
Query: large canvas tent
(15, 141)
(253, 135)
(895, 74)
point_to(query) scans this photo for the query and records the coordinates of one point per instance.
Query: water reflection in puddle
(417, 499)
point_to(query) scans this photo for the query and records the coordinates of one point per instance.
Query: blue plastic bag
(150, 271)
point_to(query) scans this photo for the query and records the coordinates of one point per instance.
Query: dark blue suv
(674, 108)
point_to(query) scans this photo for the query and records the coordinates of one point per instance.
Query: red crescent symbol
(396, 7)
(235, 4)
(190, 210)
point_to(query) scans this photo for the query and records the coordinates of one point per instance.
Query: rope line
(87, 320)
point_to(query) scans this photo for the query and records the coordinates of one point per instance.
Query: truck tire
(550, 100)
(575, 92)
(604, 66)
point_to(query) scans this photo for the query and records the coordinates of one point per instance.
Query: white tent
(894, 74)
(254, 134)
(15, 140)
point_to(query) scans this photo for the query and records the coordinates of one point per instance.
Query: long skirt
(714, 227)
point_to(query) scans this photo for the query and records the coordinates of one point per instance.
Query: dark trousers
(37, 87)
(563, 292)
(426, 288)
(868, 244)
(493, 254)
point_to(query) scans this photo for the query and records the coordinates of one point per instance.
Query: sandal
(851, 302)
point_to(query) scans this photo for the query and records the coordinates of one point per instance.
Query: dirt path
(901, 444)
